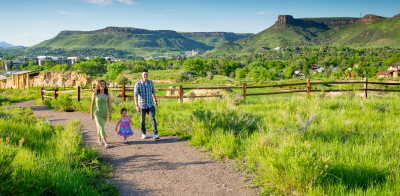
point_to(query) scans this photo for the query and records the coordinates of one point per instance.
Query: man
(144, 95)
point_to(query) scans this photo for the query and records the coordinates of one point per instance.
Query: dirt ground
(146, 167)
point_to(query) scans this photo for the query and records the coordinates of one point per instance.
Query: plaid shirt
(144, 92)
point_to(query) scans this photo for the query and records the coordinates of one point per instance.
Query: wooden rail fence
(181, 89)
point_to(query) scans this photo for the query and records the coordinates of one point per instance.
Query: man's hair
(144, 70)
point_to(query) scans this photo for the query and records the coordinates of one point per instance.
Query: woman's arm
(109, 105)
(92, 105)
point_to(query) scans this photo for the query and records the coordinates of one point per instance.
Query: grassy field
(295, 145)
(39, 159)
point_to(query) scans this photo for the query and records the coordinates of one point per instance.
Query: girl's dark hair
(98, 87)
(123, 109)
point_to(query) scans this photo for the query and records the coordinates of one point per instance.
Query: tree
(196, 65)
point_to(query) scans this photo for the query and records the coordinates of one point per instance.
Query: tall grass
(295, 145)
(17, 95)
(48, 160)
(307, 146)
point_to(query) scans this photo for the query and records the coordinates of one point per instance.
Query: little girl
(125, 128)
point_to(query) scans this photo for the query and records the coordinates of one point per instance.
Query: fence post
(123, 93)
(180, 93)
(79, 93)
(366, 88)
(55, 93)
(244, 91)
(41, 93)
(308, 87)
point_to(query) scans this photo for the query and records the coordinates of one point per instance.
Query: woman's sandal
(105, 145)
(99, 142)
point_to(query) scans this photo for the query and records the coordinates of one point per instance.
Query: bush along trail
(147, 167)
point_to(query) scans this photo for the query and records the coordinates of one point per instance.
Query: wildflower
(1, 140)
(326, 167)
(325, 159)
(7, 140)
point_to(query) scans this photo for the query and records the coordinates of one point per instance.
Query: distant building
(110, 59)
(392, 71)
(9, 64)
(193, 53)
(73, 59)
(57, 60)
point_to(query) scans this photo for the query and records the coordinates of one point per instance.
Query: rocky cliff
(396, 16)
(369, 18)
(60, 80)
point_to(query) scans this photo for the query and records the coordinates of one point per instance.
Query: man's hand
(137, 108)
(156, 105)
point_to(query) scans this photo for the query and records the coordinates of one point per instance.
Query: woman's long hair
(98, 87)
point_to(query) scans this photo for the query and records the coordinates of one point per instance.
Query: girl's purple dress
(125, 128)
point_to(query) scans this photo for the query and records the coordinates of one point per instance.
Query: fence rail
(180, 90)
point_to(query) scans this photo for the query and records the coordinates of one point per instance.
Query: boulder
(396, 16)
(174, 92)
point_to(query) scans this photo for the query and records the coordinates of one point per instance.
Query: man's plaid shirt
(144, 92)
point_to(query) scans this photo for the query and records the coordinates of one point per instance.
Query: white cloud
(45, 22)
(26, 39)
(71, 15)
(169, 10)
(110, 2)
(261, 13)
(127, 2)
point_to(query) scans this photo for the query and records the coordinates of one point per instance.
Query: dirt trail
(146, 167)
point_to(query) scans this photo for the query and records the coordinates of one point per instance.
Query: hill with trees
(139, 42)
(369, 31)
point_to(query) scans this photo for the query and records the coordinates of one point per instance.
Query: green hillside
(139, 42)
(369, 31)
(215, 39)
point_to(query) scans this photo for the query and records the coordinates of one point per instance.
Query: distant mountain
(140, 42)
(4, 44)
(369, 31)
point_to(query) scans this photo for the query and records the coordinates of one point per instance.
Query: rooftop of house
(386, 72)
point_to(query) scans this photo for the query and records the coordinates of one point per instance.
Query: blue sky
(29, 22)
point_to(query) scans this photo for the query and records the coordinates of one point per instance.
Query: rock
(60, 79)
(202, 92)
(369, 18)
(396, 16)
(174, 92)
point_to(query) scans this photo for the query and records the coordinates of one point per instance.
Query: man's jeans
(152, 113)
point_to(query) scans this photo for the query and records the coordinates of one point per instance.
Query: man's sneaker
(156, 137)
(143, 136)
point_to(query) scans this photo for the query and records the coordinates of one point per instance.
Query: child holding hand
(125, 128)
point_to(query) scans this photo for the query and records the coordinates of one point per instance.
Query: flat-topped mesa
(288, 19)
(285, 19)
(396, 16)
(369, 18)
(122, 30)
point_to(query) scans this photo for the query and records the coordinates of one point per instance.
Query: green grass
(299, 145)
(294, 145)
(50, 161)
(18, 95)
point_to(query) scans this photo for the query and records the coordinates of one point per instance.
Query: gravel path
(165, 167)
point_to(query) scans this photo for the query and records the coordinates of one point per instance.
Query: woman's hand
(137, 108)
(109, 118)
(92, 117)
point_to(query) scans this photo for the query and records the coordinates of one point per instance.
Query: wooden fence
(308, 90)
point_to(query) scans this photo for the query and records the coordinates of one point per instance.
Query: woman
(101, 97)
